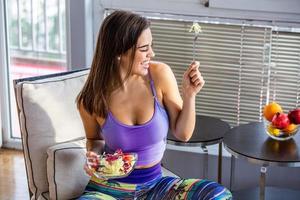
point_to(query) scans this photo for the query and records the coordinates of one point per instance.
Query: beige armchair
(53, 135)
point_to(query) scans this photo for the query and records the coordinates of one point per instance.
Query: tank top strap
(152, 86)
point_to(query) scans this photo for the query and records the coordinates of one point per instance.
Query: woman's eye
(144, 49)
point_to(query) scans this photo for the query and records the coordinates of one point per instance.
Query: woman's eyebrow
(146, 45)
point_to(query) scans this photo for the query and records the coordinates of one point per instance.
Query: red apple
(280, 120)
(294, 116)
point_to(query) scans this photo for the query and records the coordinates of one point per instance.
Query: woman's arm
(94, 141)
(181, 111)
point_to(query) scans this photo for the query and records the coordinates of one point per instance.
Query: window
(36, 45)
(244, 65)
(38, 37)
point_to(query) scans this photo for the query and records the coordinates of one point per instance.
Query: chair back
(48, 116)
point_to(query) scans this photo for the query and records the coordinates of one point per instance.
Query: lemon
(274, 131)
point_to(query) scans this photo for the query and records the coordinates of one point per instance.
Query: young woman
(129, 102)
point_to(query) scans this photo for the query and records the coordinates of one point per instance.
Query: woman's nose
(151, 53)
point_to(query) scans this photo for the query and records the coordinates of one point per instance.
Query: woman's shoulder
(159, 70)
(157, 66)
(163, 77)
(87, 116)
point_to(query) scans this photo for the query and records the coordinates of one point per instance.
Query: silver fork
(194, 47)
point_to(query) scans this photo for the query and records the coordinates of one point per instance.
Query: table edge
(194, 144)
(260, 161)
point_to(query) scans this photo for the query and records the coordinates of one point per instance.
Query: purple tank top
(147, 140)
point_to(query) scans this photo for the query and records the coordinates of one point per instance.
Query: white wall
(274, 11)
(80, 29)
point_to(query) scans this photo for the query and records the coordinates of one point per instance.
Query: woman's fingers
(195, 79)
(192, 79)
(88, 170)
(199, 82)
(92, 161)
(193, 73)
(194, 65)
(91, 154)
(195, 76)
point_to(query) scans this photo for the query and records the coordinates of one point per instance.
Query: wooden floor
(13, 182)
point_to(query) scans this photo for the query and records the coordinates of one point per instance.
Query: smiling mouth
(146, 62)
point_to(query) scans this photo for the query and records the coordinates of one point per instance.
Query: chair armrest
(66, 176)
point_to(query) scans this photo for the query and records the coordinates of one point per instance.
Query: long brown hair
(119, 33)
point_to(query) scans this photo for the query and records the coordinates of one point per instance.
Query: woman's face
(143, 55)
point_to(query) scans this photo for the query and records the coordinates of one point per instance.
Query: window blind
(285, 69)
(233, 61)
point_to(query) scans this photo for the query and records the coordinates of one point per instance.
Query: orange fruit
(290, 128)
(271, 109)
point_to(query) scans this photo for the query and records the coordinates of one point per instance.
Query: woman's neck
(131, 82)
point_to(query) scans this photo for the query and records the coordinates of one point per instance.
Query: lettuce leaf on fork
(196, 28)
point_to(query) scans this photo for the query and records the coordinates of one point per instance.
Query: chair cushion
(48, 115)
(66, 176)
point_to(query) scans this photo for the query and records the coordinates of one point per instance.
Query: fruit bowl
(280, 125)
(280, 134)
